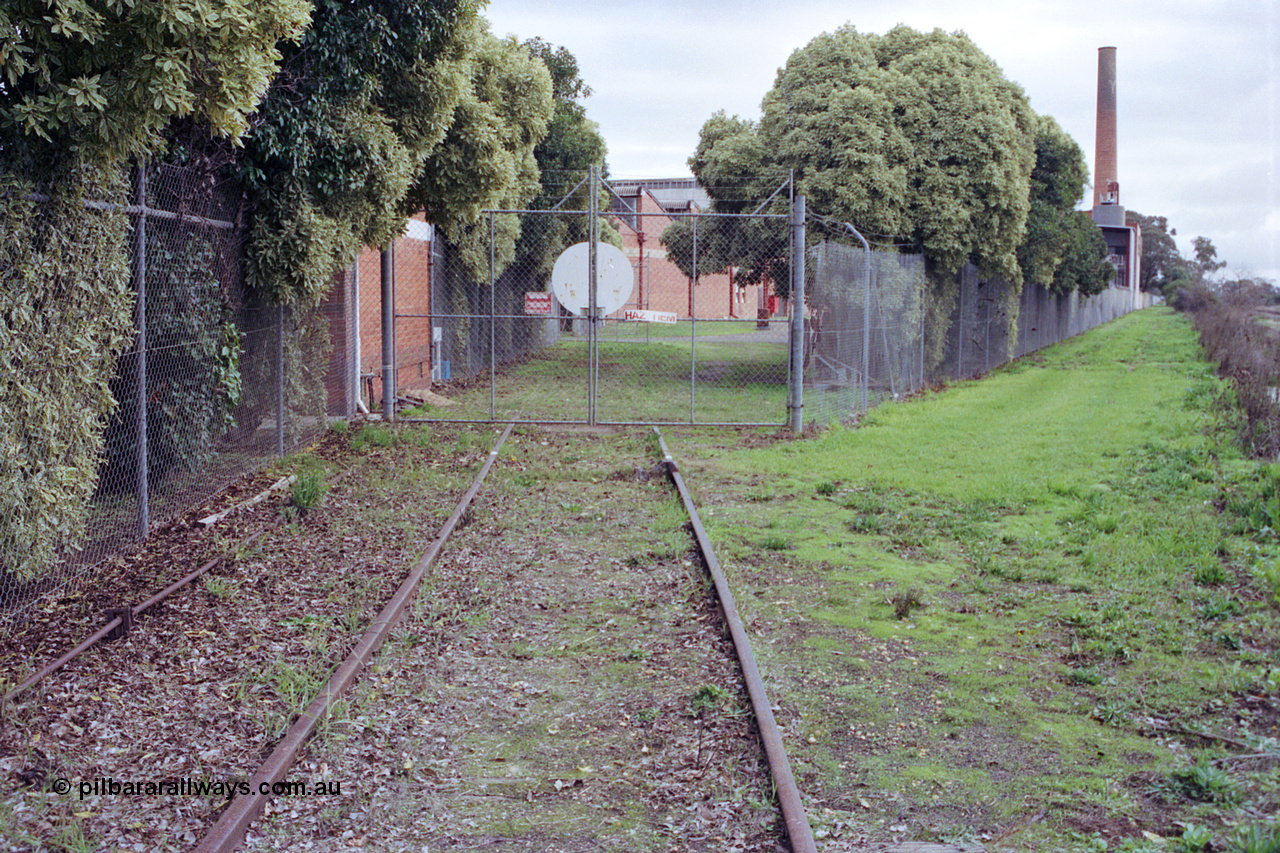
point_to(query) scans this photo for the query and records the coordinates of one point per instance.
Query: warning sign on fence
(538, 304)
(649, 316)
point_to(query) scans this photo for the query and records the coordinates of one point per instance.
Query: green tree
(1084, 266)
(85, 84)
(916, 137)
(342, 136)
(1063, 249)
(106, 77)
(1163, 266)
(486, 159)
(571, 146)
(909, 134)
(1206, 261)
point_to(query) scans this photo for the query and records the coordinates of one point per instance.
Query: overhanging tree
(84, 86)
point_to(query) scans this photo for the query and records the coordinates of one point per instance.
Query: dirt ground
(562, 683)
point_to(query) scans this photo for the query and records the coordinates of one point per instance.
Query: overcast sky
(1198, 86)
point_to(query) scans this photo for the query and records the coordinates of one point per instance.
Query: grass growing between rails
(1040, 611)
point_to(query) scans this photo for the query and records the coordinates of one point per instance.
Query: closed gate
(698, 331)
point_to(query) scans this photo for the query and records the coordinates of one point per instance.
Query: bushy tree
(344, 131)
(572, 145)
(486, 159)
(107, 77)
(85, 84)
(1084, 266)
(917, 136)
(1063, 249)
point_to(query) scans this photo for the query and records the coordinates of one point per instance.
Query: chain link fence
(688, 338)
(215, 384)
(701, 330)
(872, 332)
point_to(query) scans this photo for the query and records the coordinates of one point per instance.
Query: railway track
(553, 673)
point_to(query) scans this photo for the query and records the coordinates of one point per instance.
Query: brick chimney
(1106, 184)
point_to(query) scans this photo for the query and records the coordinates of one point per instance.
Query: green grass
(655, 381)
(1062, 523)
(615, 330)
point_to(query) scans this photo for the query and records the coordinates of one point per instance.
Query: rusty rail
(122, 620)
(793, 814)
(228, 833)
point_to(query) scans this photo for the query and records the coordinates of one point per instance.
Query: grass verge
(1036, 611)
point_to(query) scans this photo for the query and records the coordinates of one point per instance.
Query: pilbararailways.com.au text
(106, 786)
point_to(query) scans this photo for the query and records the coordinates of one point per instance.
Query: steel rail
(124, 617)
(793, 814)
(228, 833)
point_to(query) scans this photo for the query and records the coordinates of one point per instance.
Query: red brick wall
(661, 286)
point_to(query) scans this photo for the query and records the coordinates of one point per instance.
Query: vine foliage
(65, 306)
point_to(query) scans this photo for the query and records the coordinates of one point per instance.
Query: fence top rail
(145, 210)
(667, 213)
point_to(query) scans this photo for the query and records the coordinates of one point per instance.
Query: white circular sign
(613, 273)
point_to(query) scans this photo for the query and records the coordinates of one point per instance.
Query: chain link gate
(481, 336)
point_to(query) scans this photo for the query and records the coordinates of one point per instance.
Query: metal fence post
(142, 475)
(693, 328)
(388, 335)
(280, 380)
(593, 337)
(795, 407)
(493, 326)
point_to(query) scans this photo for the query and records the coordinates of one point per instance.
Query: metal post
(593, 338)
(493, 324)
(693, 328)
(960, 331)
(355, 343)
(140, 392)
(280, 325)
(388, 334)
(795, 408)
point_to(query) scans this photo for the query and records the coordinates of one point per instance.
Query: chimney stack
(1106, 185)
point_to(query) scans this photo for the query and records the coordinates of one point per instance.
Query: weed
(373, 435)
(826, 488)
(1210, 574)
(1257, 838)
(1201, 781)
(1085, 675)
(775, 542)
(708, 697)
(868, 525)
(1219, 607)
(906, 601)
(308, 491)
(1194, 839)
(1111, 713)
(340, 427)
(647, 715)
(1270, 577)
(218, 586)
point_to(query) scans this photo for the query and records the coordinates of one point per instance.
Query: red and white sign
(649, 316)
(538, 304)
